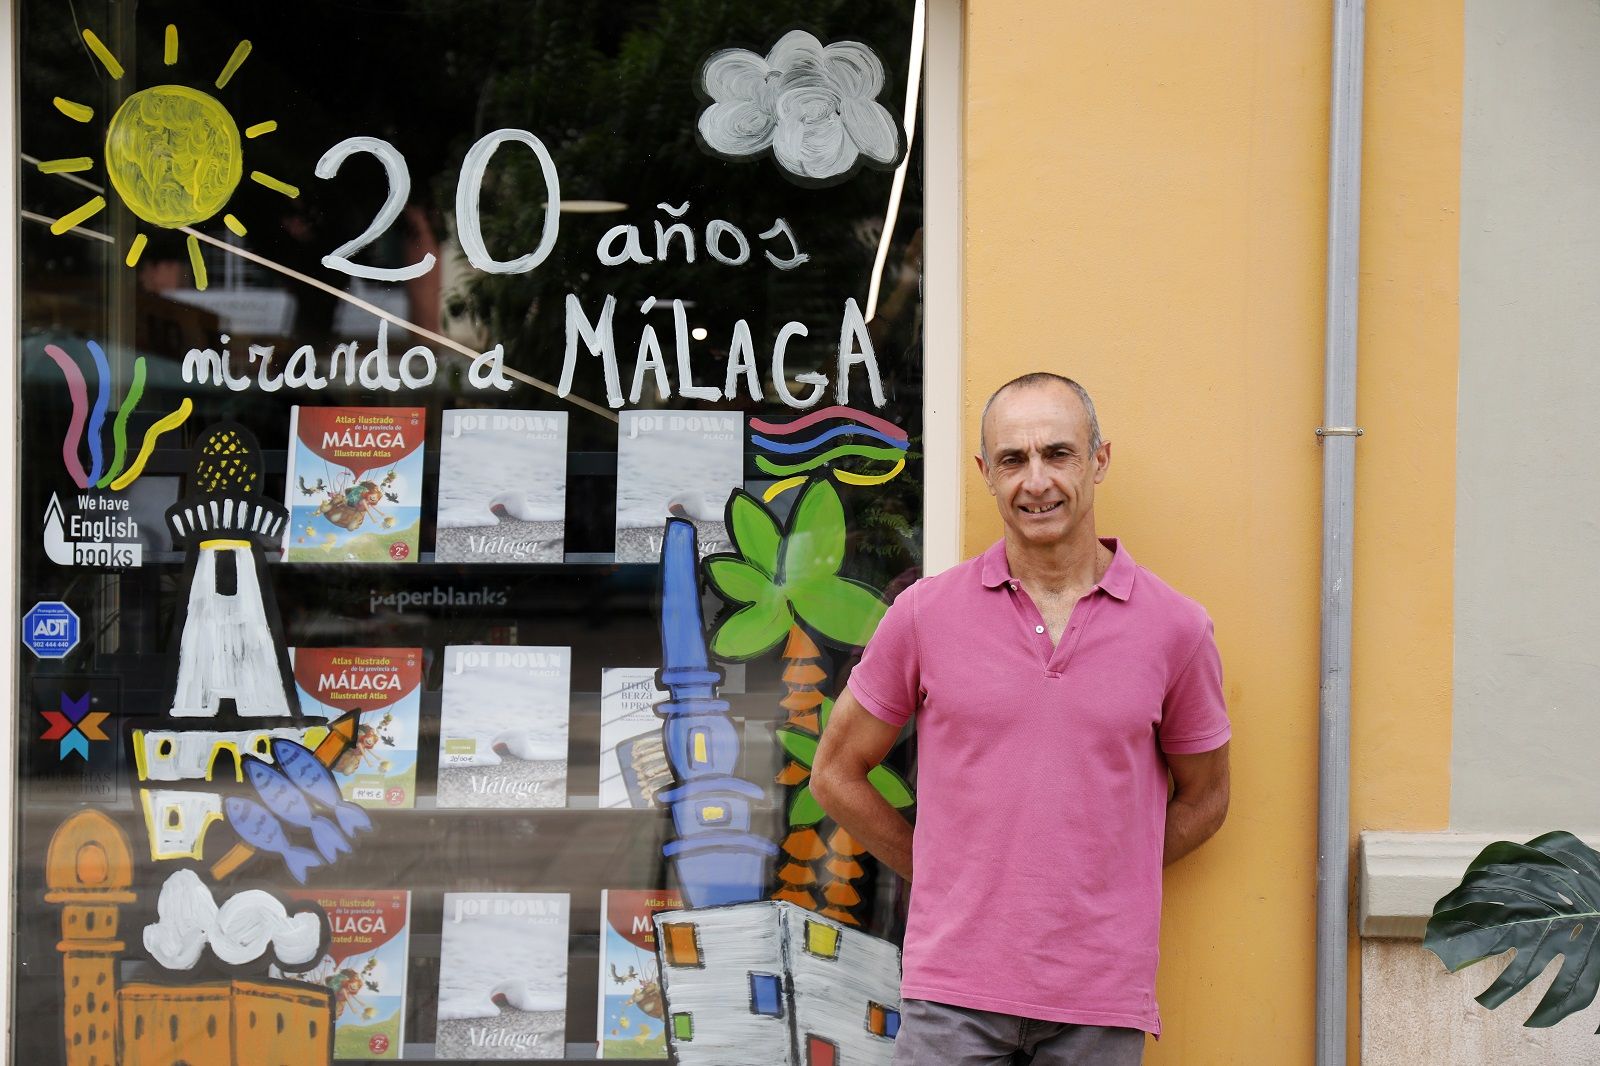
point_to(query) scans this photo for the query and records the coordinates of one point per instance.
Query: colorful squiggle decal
(784, 429)
(863, 451)
(119, 428)
(778, 488)
(78, 390)
(97, 417)
(781, 448)
(165, 424)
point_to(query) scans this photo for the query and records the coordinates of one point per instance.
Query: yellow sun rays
(133, 138)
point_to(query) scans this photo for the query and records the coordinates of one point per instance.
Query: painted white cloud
(814, 105)
(250, 925)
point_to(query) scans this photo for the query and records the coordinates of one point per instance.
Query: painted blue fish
(316, 781)
(257, 827)
(286, 802)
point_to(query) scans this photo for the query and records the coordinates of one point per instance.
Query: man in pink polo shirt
(1071, 740)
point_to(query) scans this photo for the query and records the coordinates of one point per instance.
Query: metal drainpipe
(1338, 438)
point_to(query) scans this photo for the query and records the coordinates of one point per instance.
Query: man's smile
(1043, 508)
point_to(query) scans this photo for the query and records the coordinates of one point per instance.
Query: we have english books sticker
(502, 487)
(364, 967)
(503, 726)
(354, 484)
(384, 686)
(503, 976)
(675, 465)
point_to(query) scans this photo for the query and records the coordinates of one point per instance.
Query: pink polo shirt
(1041, 786)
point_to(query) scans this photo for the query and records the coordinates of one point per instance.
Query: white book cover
(503, 976)
(503, 726)
(502, 487)
(675, 464)
(633, 757)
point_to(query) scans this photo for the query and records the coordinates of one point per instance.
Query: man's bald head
(1037, 380)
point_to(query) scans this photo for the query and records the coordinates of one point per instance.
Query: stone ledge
(1400, 876)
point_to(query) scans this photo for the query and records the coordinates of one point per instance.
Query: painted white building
(770, 984)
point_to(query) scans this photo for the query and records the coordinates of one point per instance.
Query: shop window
(766, 994)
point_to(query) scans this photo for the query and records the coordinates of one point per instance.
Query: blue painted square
(766, 994)
(891, 1023)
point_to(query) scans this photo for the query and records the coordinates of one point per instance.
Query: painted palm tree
(788, 582)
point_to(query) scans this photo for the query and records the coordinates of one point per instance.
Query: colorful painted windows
(822, 940)
(821, 1052)
(882, 1021)
(683, 1026)
(766, 994)
(682, 946)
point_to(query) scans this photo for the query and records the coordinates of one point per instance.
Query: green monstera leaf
(1541, 898)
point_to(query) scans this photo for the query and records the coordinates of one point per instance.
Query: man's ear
(983, 469)
(1102, 461)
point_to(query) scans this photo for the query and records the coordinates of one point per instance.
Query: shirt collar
(1117, 582)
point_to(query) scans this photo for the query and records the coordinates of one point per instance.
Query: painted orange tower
(89, 870)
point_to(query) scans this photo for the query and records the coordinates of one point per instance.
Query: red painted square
(820, 1052)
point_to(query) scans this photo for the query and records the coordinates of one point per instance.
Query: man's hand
(1199, 801)
(855, 741)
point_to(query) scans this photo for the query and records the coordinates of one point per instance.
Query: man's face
(1039, 468)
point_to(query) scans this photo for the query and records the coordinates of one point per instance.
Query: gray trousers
(938, 1034)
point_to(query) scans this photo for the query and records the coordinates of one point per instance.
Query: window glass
(464, 447)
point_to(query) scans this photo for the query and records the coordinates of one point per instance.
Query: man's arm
(855, 741)
(1199, 801)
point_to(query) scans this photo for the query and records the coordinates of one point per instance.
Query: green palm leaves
(781, 575)
(804, 810)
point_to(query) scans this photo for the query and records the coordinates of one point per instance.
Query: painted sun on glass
(174, 154)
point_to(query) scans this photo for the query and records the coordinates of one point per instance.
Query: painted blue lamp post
(719, 860)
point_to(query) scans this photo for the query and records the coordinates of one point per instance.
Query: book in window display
(364, 968)
(502, 487)
(354, 484)
(633, 760)
(503, 976)
(632, 1022)
(384, 685)
(503, 726)
(675, 464)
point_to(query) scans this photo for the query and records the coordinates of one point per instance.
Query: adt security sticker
(50, 629)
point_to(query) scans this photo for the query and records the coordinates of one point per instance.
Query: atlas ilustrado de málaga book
(503, 976)
(682, 464)
(503, 726)
(502, 487)
(633, 759)
(384, 685)
(632, 1011)
(364, 967)
(354, 484)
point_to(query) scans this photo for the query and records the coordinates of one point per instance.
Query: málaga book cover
(675, 464)
(384, 685)
(502, 487)
(632, 1022)
(354, 484)
(503, 726)
(364, 967)
(503, 976)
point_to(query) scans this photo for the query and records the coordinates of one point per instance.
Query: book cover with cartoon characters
(385, 686)
(354, 484)
(364, 967)
(632, 1023)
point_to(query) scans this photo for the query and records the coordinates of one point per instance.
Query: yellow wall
(1145, 207)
